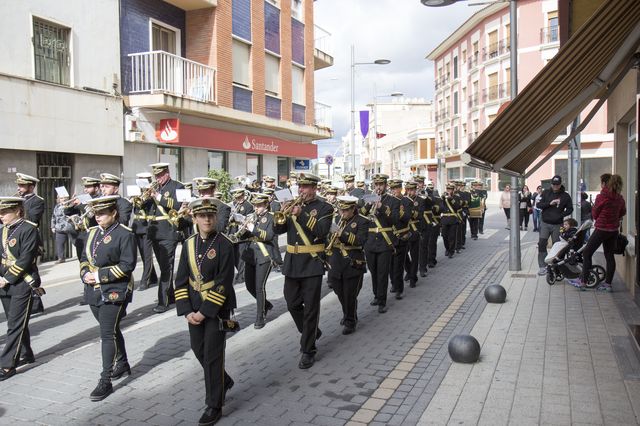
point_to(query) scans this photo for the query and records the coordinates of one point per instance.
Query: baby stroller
(565, 259)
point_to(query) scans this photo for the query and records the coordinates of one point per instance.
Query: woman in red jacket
(607, 212)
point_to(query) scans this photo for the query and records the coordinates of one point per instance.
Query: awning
(588, 66)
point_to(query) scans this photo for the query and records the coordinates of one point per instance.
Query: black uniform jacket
(140, 223)
(79, 210)
(416, 221)
(401, 227)
(19, 250)
(204, 281)
(451, 206)
(314, 221)
(381, 235)
(465, 200)
(347, 254)
(124, 211)
(159, 226)
(259, 248)
(112, 253)
(427, 217)
(33, 208)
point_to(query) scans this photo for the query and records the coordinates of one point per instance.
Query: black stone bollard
(495, 294)
(464, 348)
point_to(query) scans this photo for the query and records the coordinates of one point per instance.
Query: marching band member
(33, 205)
(450, 219)
(270, 182)
(164, 236)
(274, 206)
(307, 222)
(205, 297)
(330, 196)
(92, 188)
(257, 255)
(110, 185)
(416, 225)
(361, 185)
(241, 206)
(436, 210)
(382, 240)
(206, 187)
(350, 188)
(403, 232)
(18, 278)
(106, 269)
(463, 214)
(139, 226)
(347, 260)
(476, 208)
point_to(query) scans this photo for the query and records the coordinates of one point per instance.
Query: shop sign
(168, 130)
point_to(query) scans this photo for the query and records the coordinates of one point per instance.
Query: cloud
(403, 31)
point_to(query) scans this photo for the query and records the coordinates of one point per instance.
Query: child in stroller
(565, 257)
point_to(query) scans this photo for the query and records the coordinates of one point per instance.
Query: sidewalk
(550, 355)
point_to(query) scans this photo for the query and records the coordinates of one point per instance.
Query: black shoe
(121, 370)
(450, 255)
(259, 324)
(374, 302)
(399, 295)
(406, 277)
(431, 265)
(412, 284)
(306, 361)
(392, 290)
(463, 248)
(348, 330)
(318, 334)
(160, 309)
(342, 321)
(424, 273)
(103, 390)
(27, 360)
(382, 309)
(228, 384)
(5, 374)
(210, 417)
(482, 232)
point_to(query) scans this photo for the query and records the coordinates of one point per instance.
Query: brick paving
(391, 370)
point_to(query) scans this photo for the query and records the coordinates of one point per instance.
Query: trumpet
(235, 237)
(79, 220)
(342, 224)
(176, 215)
(146, 194)
(280, 217)
(69, 202)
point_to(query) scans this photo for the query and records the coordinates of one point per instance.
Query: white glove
(251, 227)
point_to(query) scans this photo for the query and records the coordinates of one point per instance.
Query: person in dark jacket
(608, 211)
(524, 200)
(106, 269)
(110, 185)
(33, 203)
(205, 297)
(555, 204)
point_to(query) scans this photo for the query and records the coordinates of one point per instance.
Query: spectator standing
(585, 211)
(555, 205)
(505, 203)
(608, 211)
(524, 198)
(63, 229)
(535, 197)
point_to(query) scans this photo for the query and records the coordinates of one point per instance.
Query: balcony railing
(473, 100)
(549, 34)
(444, 79)
(472, 60)
(441, 115)
(162, 72)
(322, 40)
(495, 92)
(322, 115)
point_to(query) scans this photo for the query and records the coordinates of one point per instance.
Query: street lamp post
(352, 135)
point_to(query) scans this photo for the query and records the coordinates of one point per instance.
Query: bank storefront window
(173, 157)
(217, 160)
(453, 173)
(254, 166)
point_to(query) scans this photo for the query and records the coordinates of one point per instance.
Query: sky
(403, 31)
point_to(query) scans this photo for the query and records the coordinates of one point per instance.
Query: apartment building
(472, 82)
(221, 84)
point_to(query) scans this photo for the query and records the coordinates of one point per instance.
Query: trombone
(280, 217)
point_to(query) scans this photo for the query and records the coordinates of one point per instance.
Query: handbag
(621, 244)
(229, 325)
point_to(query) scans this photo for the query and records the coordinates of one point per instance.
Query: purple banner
(364, 122)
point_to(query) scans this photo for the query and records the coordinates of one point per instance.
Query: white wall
(95, 38)
(269, 165)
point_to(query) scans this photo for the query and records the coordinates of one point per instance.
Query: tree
(225, 182)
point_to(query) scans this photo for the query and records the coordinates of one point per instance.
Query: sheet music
(62, 191)
(133, 191)
(284, 195)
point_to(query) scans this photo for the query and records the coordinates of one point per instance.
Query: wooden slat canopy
(582, 70)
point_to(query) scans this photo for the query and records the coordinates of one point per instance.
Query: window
(173, 157)
(283, 171)
(455, 67)
(163, 38)
(507, 31)
(272, 74)
(468, 172)
(297, 10)
(241, 19)
(217, 160)
(51, 52)
(493, 44)
(456, 141)
(241, 58)
(493, 87)
(297, 41)
(590, 170)
(271, 28)
(297, 81)
(632, 178)
(552, 20)
(491, 117)
(455, 102)
(507, 77)
(453, 173)
(254, 166)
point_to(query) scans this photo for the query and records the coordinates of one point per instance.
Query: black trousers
(238, 249)
(434, 233)
(524, 217)
(424, 248)
(449, 231)
(608, 241)
(474, 224)
(61, 245)
(208, 345)
(145, 247)
(165, 251)
(379, 264)
(397, 267)
(303, 302)
(481, 222)
(17, 309)
(347, 289)
(79, 244)
(109, 316)
(461, 232)
(277, 256)
(256, 281)
(412, 259)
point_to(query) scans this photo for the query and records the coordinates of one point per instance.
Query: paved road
(385, 373)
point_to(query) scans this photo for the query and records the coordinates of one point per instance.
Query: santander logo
(168, 134)
(246, 144)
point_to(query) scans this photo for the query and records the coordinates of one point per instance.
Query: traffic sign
(328, 159)
(302, 165)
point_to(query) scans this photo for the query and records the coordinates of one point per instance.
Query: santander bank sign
(217, 139)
